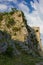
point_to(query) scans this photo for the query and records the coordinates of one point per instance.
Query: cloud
(6, 5)
(15, 3)
(23, 7)
(3, 7)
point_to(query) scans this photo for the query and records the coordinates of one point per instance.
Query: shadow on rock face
(12, 47)
(4, 36)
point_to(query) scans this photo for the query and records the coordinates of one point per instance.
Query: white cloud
(40, 6)
(6, 6)
(23, 7)
(13, 0)
(10, 0)
(33, 5)
(3, 7)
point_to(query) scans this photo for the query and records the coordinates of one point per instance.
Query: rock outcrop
(15, 32)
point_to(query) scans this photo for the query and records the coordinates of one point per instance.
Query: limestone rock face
(15, 32)
(14, 25)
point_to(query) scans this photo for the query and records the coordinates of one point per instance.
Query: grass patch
(23, 59)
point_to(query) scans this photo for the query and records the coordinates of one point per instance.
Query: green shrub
(19, 15)
(11, 13)
(16, 29)
(34, 40)
(9, 51)
(11, 21)
(1, 17)
(8, 25)
(14, 10)
(15, 33)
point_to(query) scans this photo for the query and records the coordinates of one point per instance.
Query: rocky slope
(15, 33)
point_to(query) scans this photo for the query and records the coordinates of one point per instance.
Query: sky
(33, 10)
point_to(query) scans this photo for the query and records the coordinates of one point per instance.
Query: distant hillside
(16, 34)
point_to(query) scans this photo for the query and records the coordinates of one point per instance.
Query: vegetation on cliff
(17, 40)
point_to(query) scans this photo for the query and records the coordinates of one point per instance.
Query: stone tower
(37, 32)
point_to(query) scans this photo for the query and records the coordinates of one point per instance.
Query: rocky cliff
(15, 33)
